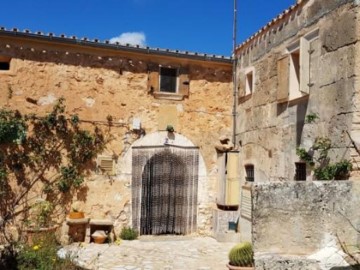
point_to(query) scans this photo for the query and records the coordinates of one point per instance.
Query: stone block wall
(268, 129)
(98, 82)
(303, 224)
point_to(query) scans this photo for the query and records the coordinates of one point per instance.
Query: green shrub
(128, 233)
(339, 171)
(242, 255)
(42, 255)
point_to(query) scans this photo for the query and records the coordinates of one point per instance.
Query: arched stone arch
(164, 188)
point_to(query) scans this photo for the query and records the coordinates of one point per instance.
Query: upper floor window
(168, 82)
(294, 69)
(168, 79)
(246, 82)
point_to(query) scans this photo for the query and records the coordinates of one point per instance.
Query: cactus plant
(242, 255)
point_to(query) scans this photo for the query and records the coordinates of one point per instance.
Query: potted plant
(241, 257)
(40, 219)
(76, 212)
(170, 128)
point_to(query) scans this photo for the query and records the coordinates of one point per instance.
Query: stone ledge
(170, 96)
(71, 221)
(101, 222)
(281, 262)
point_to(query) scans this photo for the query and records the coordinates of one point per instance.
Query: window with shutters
(168, 82)
(105, 165)
(294, 69)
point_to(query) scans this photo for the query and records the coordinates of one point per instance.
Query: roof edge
(73, 40)
(287, 12)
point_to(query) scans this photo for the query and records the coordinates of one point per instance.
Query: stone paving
(155, 253)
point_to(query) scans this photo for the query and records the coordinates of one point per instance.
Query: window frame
(249, 86)
(244, 88)
(177, 79)
(297, 57)
(295, 54)
(249, 170)
(298, 174)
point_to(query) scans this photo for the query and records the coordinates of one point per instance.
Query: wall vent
(105, 165)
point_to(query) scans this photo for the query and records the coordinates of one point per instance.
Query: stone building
(303, 63)
(297, 80)
(148, 93)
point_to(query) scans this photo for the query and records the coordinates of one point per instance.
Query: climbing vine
(52, 149)
(319, 161)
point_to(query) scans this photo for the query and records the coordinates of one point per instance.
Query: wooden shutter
(304, 66)
(184, 82)
(283, 67)
(153, 78)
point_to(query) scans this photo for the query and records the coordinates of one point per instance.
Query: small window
(168, 79)
(249, 84)
(300, 171)
(249, 169)
(4, 63)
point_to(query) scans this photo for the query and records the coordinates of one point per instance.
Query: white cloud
(133, 38)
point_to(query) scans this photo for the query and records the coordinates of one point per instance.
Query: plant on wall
(311, 117)
(319, 161)
(52, 149)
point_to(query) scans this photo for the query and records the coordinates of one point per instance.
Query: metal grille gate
(164, 189)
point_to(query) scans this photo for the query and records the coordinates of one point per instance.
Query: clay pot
(232, 267)
(38, 233)
(76, 215)
(99, 239)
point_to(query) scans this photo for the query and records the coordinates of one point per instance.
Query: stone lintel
(101, 222)
(71, 221)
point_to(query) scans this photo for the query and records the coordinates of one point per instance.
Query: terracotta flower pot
(232, 267)
(76, 215)
(37, 233)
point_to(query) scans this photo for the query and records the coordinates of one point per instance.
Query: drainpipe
(235, 93)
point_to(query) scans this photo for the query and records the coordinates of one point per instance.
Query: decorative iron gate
(164, 189)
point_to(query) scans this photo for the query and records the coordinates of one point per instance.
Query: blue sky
(196, 25)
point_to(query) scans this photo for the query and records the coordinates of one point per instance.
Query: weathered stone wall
(269, 131)
(297, 224)
(100, 82)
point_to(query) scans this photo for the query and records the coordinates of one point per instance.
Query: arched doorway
(164, 189)
(164, 202)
